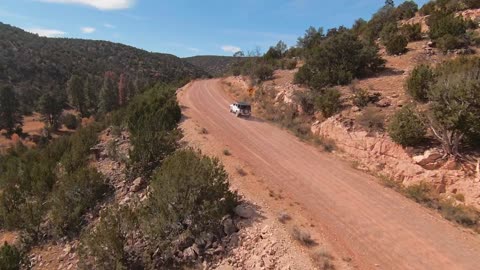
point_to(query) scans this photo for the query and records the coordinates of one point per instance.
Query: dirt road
(380, 228)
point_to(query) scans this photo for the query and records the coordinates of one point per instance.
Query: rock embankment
(377, 153)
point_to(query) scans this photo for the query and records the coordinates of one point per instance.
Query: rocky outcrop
(377, 153)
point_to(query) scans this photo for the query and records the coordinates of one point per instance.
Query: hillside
(214, 65)
(34, 65)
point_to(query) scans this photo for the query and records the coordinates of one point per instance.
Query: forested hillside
(35, 65)
(214, 65)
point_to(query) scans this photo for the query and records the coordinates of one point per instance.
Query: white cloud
(88, 30)
(230, 49)
(44, 32)
(111, 26)
(99, 4)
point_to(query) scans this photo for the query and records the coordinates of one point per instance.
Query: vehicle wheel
(237, 114)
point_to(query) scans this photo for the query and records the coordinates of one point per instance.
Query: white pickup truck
(241, 109)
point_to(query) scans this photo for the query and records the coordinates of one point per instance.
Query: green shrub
(442, 24)
(10, 257)
(263, 72)
(337, 60)
(421, 193)
(73, 196)
(413, 32)
(389, 31)
(396, 45)
(291, 64)
(418, 83)
(448, 42)
(455, 102)
(328, 101)
(406, 10)
(463, 215)
(381, 18)
(70, 121)
(152, 121)
(104, 245)
(361, 98)
(190, 194)
(306, 101)
(427, 9)
(406, 128)
(372, 119)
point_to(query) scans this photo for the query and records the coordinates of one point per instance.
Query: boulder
(429, 160)
(244, 211)
(384, 102)
(137, 184)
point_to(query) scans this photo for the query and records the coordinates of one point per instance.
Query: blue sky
(185, 28)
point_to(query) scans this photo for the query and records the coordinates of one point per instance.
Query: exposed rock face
(430, 160)
(379, 154)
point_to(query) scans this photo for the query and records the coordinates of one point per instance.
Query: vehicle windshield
(244, 107)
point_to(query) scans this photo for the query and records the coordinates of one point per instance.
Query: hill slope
(34, 64)
(214, 65)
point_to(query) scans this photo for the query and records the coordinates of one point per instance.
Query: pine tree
(122, 89)
(91, 98)
(76, 94)
(51, 109)
(10, 117)
(389, 3)
(108, 94)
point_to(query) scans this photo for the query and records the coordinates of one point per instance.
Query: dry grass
(241, 171)
(303, 237)
(283, 217)
(323, 259)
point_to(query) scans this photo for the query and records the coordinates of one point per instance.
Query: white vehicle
(241, 109)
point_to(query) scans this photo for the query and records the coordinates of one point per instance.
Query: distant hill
(33, 64)
(214, 65)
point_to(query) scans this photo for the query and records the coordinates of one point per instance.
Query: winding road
(381, 228)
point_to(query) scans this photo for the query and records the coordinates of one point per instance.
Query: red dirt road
(379, 227)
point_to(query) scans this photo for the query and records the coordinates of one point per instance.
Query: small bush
(116, 131)
(406, 10)
(463, 215)
(442, 24)
(190, 194)
(421, 193)
(10, 257)
(418, 83)
(283, 217)
(361, 98)
(302, 236)
(389, 30)
(103, 246)
(70, 121)
(427, 9)
(396, 45)
(226, 152)
(328, 102)
(448, 43)
(240, 171)
(73, 196)
(460, 197)
(413, 32)
(372, 119)
(406, 128)
(263, 72)
(291, 64)
(323, 260)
